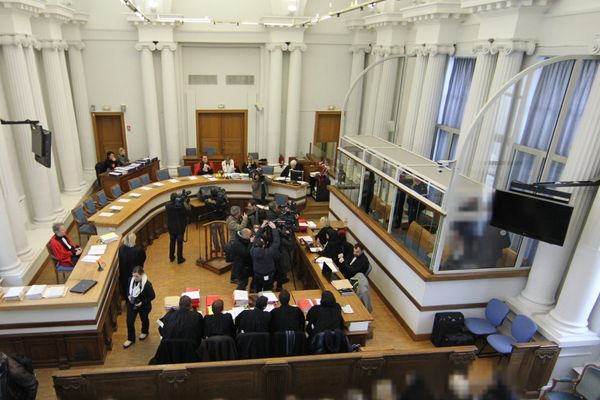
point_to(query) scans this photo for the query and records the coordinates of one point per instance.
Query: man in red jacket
(62, 246)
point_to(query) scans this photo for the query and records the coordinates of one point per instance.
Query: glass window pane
(522, 168)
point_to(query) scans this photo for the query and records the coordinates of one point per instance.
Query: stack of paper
(123, 200)
(105, 214)
(173, 180)
(97, 250)
(116, 208)
(235, 311)
(135, 195)
(312, 225)
(55, 292)
(90, 259)
(146, 188)
(171, 302)
(306, 239)
(240, 298)
(159, 184)
(193, 178)
(315, 249)
(109, 237)
(343, 286)
(16, 293)
(35, 292)
(271, 298)
(328, 261)
(306, 304)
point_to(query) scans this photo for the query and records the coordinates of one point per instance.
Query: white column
(150, 99)
(170, 104)
(479, 91)
(412, 113)
(510, 58)
(62, 57)
(8, 185)
(594, 321)
(385, 98)
(583, 163)
(82, 107)
(63, 136)
(369, 107)
(274, 110)
(292, 124)
(40, 111)
(22, 107)
(352, 116)
(8, 255)
(431, 96)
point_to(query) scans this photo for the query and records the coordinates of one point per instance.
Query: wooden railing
(273, 378)
(530, 367)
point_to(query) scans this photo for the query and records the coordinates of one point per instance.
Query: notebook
(83, 286)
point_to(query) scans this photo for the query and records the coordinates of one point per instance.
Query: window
(454, 99)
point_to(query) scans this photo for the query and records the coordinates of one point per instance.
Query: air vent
(202, 79)
(239, 79)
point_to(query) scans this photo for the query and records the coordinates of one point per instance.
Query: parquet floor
(170, 279)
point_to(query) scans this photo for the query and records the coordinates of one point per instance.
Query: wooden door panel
(327, 126)
(225, 131)
(233, 130)
(209, 132)
(109, 133)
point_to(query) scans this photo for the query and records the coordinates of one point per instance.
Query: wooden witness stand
(213, 257)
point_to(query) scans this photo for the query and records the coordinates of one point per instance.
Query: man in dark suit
(286, 171)
(358, 264)
(176, 224)
(219, 323)
(255, 320)
(286, 317)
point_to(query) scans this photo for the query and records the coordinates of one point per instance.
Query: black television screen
(530, 216)
(295, 175)
(41, 145)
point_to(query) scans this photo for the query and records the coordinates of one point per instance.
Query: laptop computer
(83, 286)
(327, 272)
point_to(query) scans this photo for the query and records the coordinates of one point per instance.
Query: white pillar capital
(145, 45)
(508, 46)
(595, 46)
(14, 40)
(59, 45)
(166, 46)
(482, 47)
(76, 45)
(365, 48)
(433, 49)
(416, 50)
(387, 51)
(277, 46)
(296, 46)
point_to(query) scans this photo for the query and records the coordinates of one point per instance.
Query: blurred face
(136, 277)
(293, 164)
(249, 160)
(357, 251)
(62, 231)
(204, 159)
(112, 156)
(250, 207)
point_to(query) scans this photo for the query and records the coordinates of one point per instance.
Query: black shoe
(172, 259)
(181, 261)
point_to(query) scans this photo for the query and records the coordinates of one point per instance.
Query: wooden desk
(107, 181)
(361, 315)
(72, 330)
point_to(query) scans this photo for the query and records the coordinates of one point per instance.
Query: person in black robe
(286, 171)
(130, 256)
(219, 323)
(325, 316)
(333, 246)
(183, 324)
(256, 320)
(286, 317)
(111, 161)
(359, 263)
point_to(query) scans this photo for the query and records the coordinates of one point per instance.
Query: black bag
(447, 324)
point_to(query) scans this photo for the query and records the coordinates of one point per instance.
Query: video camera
(183, 198)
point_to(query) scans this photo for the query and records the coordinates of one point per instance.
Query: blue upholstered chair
(89, 205)
(190, 151)
(116, 191)
(101, 199)
(587, 386)
(58, 269)
(267, 169)
(145, 179)
(163, 175)
(495, 312)
(209, 151)
(134, 183)
(184, 171)
(280, 199)
(83, 225)
(522, 331)
(254, 156)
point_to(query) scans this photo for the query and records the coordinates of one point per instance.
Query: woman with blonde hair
(122, 157)
(321, 236)
(130, 256)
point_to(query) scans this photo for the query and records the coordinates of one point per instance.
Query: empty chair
(268, 169)
(89, 205)
(586, 386)
(190, 151)
(145, 179)
(280, 199)
(58, 269)
(83, 226)
(522, 331)
(209, 151)
(495, 312)
(163, 174)
(101, 199)
(134, 183)
(184, 171)
(116, 191)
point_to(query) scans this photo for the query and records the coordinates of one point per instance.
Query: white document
(193, 178)
(35, 292)
(55, 292)
(136, 195)
(15, 293)
(105, 214)
(323, 260)
(159, 184)
(311, 224)
(212, 179)
(306, 239)
(109, 237)
(173, 180)
(269, 307)
(347, 309)
(146, 188)
(235, 311)
(97, 250)
(116, 208)
(316, 249)
(124, 200)
(193, 295)
(271, 298)
(90, 259)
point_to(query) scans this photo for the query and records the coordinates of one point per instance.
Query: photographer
(239, 253)
(283, 264)
(236, 221)
(255, 215)
(263, 257)
(260, 186)
(176, 224)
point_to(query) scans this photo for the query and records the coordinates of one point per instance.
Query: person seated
(219, 323)
(63, 249)
(183, 323)
(286, 171)
(321, 237)
(286, 317)
(333, 246)
(325, 316)
(236, 221)
(228, 166)
(249, 166)
(358, 264)
(122, 157)
(204, 167)
(111, 161)
(256, 320)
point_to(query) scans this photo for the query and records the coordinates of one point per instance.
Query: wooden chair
(64, 270)
(216, 236)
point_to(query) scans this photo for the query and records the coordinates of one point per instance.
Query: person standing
(260, 186)
(130, 256)
(176, 224)
(236, 221)
(139, 302)
(62, 247)
(239, 252)
(263, 257)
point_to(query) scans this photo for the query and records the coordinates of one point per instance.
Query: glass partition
(349, 175)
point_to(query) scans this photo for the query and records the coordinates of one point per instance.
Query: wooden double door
(223, 132)
(109, 132)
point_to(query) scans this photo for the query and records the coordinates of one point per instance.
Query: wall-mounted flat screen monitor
(41, 145)
(531, 216)
(295, 175)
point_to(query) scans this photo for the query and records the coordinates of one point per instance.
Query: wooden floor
(170, 279)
